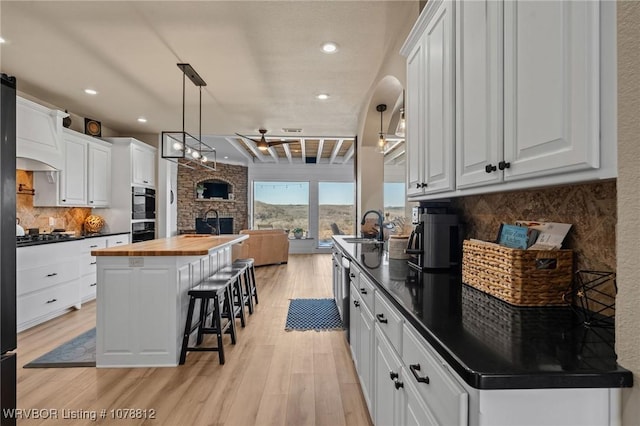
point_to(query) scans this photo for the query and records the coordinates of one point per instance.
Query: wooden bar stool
(240, 299)
(250, 275)
(218, 291)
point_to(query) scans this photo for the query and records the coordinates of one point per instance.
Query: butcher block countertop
(183, 245)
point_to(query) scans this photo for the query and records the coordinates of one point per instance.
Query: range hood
(30, 164)
(38, 136)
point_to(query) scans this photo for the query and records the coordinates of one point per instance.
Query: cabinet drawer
(88, 264)
(117, 240)
(56, 298)
(88, 285)
(29, 280)
(89, 244)
(440, 390)
(366, 289)
(389, 321)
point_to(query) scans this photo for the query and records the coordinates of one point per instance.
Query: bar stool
(250, 275)
(218, 290)
(240, 299)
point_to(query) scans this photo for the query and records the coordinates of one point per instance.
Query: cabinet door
(73, 179)
(551, 87)
(478, 92)
(354, 325)
(99, 176)
(413, 114)
(143, 166)
(415, 413)
(387, 397)
(439, 101)
(365, 364)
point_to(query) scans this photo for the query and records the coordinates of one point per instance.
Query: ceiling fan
(263, 144)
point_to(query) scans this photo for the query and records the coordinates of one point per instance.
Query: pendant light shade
(382, 143)
(402, 124)
(181, 147)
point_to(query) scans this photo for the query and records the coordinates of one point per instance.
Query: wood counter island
(142, 296)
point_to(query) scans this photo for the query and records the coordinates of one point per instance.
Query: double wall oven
(143, 214)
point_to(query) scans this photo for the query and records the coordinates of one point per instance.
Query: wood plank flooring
(271, 377)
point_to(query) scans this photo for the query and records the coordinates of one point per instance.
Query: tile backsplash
(591, 208)
(68, 218)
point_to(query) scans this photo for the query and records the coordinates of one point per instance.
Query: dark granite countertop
(66, 239)
(489, 343)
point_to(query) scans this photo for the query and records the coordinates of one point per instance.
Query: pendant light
(402, 124)
(382, 143)
(180, 146)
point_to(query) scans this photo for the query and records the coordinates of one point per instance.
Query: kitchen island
(142, 296)
(430, 349)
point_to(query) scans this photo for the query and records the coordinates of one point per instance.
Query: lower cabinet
(88, 272)
(389, 399)
(361, 342)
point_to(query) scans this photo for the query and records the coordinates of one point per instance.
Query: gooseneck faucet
(380, 223)
(204, 219)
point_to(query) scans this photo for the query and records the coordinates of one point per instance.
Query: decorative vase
(66, 122)
(200, 193)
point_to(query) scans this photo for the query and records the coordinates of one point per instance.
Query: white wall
(628, 229)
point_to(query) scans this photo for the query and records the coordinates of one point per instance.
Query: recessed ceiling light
(142, 119)
(322, 96)
(329, 47)
(90, 92)
(226, 157)
(2, 40)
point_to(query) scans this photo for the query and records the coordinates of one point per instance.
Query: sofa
(265, 246)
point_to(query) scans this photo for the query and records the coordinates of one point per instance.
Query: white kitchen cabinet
(365, 346)
(549, 80)
(354, 325)
(47, 282)
(430, 102)
(88, 268)
(99, 175)
(84, 180)
(388, 406)
(143, 165)
(126, 155)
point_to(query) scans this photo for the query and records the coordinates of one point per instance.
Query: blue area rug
(313, 314)
(77, 352)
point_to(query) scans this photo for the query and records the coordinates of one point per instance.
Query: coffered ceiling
(261, 60)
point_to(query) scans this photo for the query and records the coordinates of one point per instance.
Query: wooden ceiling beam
(349, 154)
(319, 154)
(335, 151)
(287, 152)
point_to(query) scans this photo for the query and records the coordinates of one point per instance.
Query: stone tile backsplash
(590, 207)
(68, 218)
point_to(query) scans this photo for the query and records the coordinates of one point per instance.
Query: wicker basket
(519, 277)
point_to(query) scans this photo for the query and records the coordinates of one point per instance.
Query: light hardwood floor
(271, 377)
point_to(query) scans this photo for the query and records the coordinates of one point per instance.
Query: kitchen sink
(361, 240)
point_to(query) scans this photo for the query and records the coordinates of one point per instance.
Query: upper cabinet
(84, 179)
(143, 165)
(430, 102)
(532, 104)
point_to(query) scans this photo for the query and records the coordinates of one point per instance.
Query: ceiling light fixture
(90, 92)
(402, 124)
(2, 40)
(181, 147)
(329, 47)
(323, 96)
(142, 120)
(382, 143)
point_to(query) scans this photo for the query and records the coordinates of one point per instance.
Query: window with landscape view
(394, 200)
(336, 209)
(283, 205)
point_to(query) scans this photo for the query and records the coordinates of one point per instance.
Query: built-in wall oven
(143, 230)
(143, 202)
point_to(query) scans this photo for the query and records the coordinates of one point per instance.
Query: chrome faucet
(204, 219)
(380, 222)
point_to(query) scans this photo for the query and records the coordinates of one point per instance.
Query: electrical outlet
(136, 262)
(52, 222)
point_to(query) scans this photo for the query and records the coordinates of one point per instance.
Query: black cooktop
(35, 239)
(489, 343)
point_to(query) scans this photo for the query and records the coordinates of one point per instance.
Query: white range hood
(38, 136)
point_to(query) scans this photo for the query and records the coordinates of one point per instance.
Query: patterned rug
(313, 314)
(77, 352)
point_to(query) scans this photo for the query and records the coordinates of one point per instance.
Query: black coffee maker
(435, 242)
